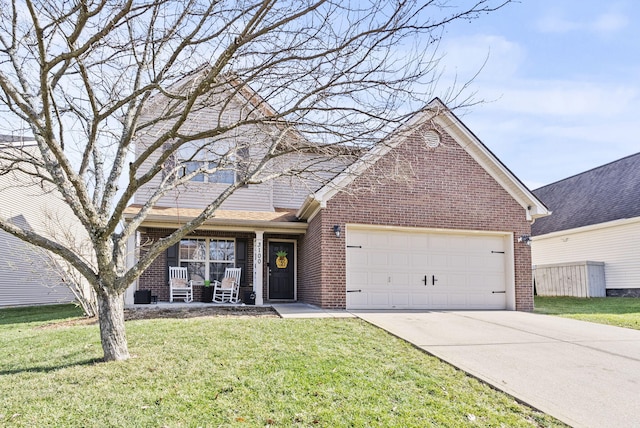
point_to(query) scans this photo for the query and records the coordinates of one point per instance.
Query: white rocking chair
(180, 287)
(228, 290)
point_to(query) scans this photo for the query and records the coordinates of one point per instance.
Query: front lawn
(238, 372)
(618, 311)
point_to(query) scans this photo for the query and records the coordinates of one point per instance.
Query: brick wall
(413, 186)
(310, 258)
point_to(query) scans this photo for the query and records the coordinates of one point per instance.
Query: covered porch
(264, 244)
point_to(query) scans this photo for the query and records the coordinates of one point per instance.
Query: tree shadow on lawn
(48, 369)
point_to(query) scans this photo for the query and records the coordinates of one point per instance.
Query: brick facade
(442, 188)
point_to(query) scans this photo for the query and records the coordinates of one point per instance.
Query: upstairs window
(205, 155)
(222, 176)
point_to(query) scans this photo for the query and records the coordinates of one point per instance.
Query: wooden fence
(577, 279)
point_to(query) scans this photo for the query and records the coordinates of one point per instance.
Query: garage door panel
(438, 260)
(418, 242)
(419, 301)
(378, 259)
(439, 301)
(397, 241)
(418, 261)
(493, 282)
(377, 280)
(400, 300)
(358, 259)
(377, 240)
(390, 268)
(379, 299)
(487, 263)
(358, 279)
(458, 300)
(452, 280)
(495, 301)
(400, 278)
(457, 243)
(457, 261)
(400, 259)
(357, 300)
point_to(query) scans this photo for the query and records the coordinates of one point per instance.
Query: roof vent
(431, 138)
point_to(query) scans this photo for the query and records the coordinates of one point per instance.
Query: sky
(560, 89)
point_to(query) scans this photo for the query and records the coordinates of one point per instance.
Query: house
(28, 275)
(596, 218)
(427, 219)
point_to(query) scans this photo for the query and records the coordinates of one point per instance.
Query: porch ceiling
(281, 219)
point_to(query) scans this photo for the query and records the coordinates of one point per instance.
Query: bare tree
(93, 78)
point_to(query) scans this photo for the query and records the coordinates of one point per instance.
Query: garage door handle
(354, 291)
(433, 280)
(498, 292)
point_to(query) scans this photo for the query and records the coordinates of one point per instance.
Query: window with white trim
(223, 176)
(207, 258)
(206, 155)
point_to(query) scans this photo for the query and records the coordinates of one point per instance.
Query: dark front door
(281, 270)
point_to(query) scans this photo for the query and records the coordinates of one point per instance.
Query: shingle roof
(606, 193)
(4, 138)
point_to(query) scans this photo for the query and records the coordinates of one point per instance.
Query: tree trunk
(111, 318)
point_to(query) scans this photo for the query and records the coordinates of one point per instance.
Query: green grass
(39, 314)
(618, 311)
(249, 372)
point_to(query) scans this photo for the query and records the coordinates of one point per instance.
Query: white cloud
(479, 58)
(488, 54)
(605, 23)
(610, 22)
(568, 98)
(556, 24)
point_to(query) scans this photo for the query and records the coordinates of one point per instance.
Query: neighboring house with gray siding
(596, 217)
(30, 275)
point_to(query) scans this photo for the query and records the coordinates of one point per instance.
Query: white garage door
(423, 270)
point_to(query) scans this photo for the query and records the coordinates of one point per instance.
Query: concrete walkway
(303, 310)
(585, 374)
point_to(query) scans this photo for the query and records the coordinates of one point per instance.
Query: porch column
(258, 267)
(132, 244)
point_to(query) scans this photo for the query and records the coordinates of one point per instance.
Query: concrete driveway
(585, 374)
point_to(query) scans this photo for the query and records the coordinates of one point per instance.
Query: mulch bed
(153, 312)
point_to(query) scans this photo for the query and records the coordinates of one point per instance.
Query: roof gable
(606, 193)
(438, 114)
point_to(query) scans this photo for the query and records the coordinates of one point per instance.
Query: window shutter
(242, 165)
(172, 259)
(241, 260)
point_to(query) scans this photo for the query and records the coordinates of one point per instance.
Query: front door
(281, 270)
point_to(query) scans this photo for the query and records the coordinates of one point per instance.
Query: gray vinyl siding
(27, 277)
(617, 244)
(284, 192)
(291, 191)
(28, 274)
(199, 195)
